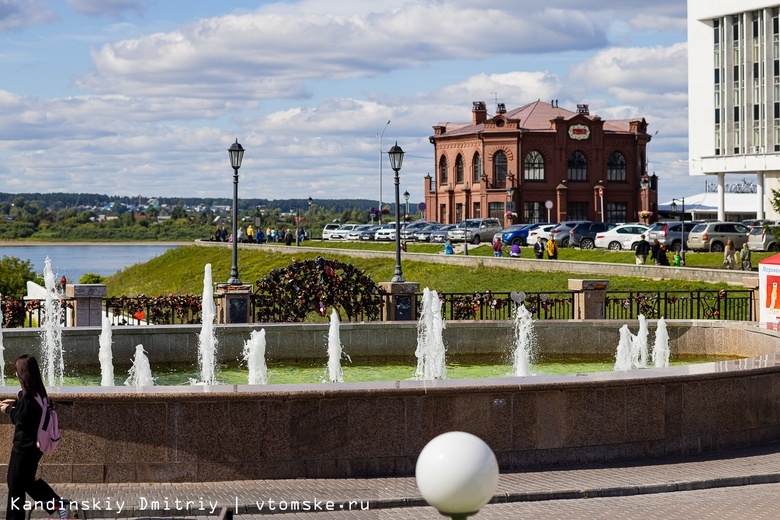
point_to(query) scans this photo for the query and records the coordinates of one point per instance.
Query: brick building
(539, 155)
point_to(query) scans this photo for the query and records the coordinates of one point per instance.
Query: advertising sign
(769, 290)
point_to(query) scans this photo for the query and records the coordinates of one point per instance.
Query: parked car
(408, 230)
(560, 233)
(625, 236)
(341, 232)
(475, 230)
(583, 235)
(712, 236)
(328, 229)
(510, 232)
(440, 235)
(424, 234)
(355, 233)
(764, 238)
(519, 235)
(542, 232)
(670, 233)
(386, 232)
(369, 234)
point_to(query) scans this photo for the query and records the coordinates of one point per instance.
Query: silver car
(713, 236)
(560, 233)
(764, 239)
(475, 230)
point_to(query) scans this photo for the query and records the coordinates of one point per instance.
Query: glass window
(577, 167)
(616, 212)
(443, 171)
(496, 210)
(477, 210)
(616, 167)
(499, 170)
(533, 212)
(534, 167)
(459, 169)
(476, 167)
(577, 210)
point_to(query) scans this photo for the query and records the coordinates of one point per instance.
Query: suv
(764, 239)
(519, 233)
(712, 236)
(670, 233)
(328, 229)
(475, 230)
(560, 233)
(341, 232)
(583, 235)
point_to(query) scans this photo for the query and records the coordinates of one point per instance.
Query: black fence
(673, 305)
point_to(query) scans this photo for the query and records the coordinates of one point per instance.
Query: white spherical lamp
(457, 473)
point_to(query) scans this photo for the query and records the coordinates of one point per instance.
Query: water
(335, 374)
(207, 340)
(624, 356)
(140, 373)
(254, 355)
(430, 352)
(74, 261)
(53, 362)
(105, 354)
(525, 342)
(632, 351)
(661, 346)
(639, 344)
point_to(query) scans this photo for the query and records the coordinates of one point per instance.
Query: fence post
(87, 301)
(403, 304)
(751, 284)
(234, 303)
(590, 298)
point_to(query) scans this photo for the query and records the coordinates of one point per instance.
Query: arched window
(499, 170)
(443, 171)
(476, 168)
(534, 166)
(577, 167)
(459, 169)
(616, 167)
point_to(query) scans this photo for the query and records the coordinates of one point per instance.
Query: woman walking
(729, 255)
(25, 414)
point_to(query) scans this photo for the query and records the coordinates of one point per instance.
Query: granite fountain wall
(377, 429)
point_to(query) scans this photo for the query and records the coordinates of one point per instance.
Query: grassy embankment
(180, 271)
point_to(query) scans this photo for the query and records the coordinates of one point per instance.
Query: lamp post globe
(236, 152)
(396, 155)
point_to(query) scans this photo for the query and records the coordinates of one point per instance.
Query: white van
(328, 229)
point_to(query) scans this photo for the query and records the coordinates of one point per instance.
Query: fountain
(661, 345)
(105, 355)
(140, 373)
(624, 359)
(207, 340)
(639, 344)
(53, 362)
(430, 351)
(254, 355)
(335, 374)
(525, 342)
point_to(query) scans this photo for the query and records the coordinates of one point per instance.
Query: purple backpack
(48, 430)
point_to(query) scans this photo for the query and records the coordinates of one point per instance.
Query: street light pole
(682, 227)
(297, 219)
(236, 152)
(396, 155)
(381, 160)
(406, 215)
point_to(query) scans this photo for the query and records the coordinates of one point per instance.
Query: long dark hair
(29, 374)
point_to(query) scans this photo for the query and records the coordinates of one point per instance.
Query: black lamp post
(406, 215)
(396, 155)
(236, 152)
(509, 205)
(682, 227)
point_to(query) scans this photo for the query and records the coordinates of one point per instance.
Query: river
(74, 260)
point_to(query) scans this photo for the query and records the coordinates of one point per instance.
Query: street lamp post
(406, 215)
(682, 227)
(510, 191)
(381, 160)
(297, 220)
(236, 152)
(396, 155)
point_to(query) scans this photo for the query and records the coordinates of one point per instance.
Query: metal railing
(680, 305)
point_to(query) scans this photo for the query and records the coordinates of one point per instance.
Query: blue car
(518, 233)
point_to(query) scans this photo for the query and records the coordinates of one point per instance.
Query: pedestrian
(25, 414)
(677, 259)
(539, 249)
(288, 238)
(661, 256)
(642, 250)
(552, 250)
(448, 247)
(729, 255)
(744, 258)
(514, 252)
(498, 247)
(654, 252)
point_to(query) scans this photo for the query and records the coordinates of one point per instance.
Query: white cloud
(18, 14)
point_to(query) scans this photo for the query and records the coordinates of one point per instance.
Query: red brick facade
(544, 153)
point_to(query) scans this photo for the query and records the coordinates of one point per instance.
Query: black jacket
(25, 413)
(642, 247)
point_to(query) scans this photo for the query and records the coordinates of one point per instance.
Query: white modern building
(734, 94)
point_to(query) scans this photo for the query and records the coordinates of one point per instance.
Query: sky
(143, 97)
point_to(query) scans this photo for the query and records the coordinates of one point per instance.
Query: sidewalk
(744, 467)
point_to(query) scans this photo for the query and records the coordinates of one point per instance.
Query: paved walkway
(735, 484)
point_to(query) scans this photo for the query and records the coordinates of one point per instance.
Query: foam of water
(53, 362)
(525, 342)
(335, 374)
(105, 354)
(207, 340)
(623, 356)
(661, 345)
(639, 344)
(254, 355)
(140, 374)
(431, 362)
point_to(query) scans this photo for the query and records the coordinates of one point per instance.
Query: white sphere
(457, 473)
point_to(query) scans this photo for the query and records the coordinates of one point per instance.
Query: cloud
(109, 8)
(18, 14)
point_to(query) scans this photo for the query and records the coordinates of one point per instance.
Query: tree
(14, 275)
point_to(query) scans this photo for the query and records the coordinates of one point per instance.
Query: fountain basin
(174, 434)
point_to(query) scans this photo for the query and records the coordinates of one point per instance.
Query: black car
(368, 234)
(583, 235)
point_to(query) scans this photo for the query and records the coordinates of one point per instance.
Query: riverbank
(23, 243)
